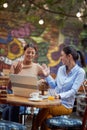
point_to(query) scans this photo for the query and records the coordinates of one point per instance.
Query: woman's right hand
(17, 68)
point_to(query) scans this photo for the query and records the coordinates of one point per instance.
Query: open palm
(45, 69)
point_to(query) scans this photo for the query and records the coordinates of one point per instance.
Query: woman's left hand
(57, 96)
(45, 69)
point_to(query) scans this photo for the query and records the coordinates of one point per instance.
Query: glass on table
(51, 94)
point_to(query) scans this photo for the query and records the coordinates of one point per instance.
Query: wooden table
(23, 101)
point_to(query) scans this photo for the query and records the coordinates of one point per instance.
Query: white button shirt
(67, 85)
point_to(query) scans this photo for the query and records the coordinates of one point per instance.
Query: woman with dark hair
(24, 67)
(66, 84)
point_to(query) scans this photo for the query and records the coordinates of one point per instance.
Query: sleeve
(51, 81)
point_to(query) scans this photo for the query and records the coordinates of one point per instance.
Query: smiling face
(65, 59)
(29, 54)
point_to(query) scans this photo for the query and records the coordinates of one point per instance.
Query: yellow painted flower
(15, 49)
(51, 60)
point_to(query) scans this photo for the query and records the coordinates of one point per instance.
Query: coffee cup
(34, 95)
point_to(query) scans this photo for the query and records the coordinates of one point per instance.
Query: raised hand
(45, 69)
(17, 68)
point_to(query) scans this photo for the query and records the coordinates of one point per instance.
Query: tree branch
(51, 11)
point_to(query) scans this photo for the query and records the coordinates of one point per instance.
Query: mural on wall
(11, 47)
(12, 42)
(49, 47)
(49, 42)
(52, 36)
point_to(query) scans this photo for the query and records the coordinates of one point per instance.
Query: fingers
(17, 68)
(42, 80)
(45, 69)
(44, 66)
(56, 96)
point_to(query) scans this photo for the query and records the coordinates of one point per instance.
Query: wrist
(59, 97)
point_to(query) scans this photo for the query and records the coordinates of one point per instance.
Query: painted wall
(11, 45)
(49, 42)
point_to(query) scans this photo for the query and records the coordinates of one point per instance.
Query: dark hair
(30, 45)
(75, 54)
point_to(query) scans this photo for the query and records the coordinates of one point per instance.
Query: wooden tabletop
(23, 101)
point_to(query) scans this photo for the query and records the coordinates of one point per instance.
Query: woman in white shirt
(68, 80)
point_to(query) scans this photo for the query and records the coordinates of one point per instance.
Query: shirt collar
(73, 69)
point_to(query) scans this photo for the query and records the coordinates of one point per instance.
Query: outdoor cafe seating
(79, 122)
(68, 123)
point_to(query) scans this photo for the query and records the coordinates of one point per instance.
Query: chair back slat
(84, 123)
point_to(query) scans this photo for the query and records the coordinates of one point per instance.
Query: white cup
(34, 95)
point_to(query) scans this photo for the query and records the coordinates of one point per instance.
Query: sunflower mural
(55, 39)
(15, 49)
(11, 48)
(10, 52)
(53, 56)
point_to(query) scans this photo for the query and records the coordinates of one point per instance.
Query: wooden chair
(61, 122)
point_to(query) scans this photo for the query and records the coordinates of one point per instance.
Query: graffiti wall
(49, 41)
(14, 34)
(13, 40)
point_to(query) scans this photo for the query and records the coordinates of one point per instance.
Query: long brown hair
(75, 54)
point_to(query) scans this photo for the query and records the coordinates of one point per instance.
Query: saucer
(35, 99)
(44, 96)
